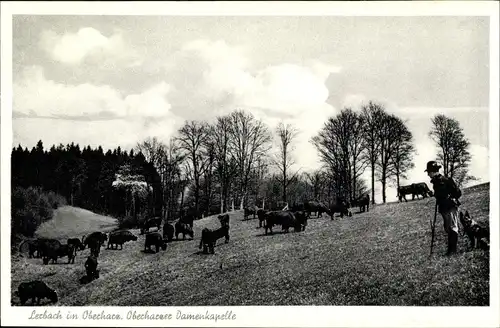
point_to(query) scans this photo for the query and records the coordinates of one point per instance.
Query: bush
(31, 207)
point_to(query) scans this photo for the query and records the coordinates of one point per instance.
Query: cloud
(34, 95)
(87, 43)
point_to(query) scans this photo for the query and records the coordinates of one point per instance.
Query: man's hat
(432, 166)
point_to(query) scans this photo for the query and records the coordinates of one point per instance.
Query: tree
(402, 158)
(192, 139)
(389, 136)
(250, 139)
(372, 115)
(284, 160)
(453, 148)
(225, 162)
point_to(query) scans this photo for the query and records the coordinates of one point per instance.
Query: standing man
(447, 194)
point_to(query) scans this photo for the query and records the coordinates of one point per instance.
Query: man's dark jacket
(446, 192)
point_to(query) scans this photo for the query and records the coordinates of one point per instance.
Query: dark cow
(340, 206)
(53, 252)
(251, 210)
(154, 239)
(119, 238)
(168, 232)
(363, 202)
(94, 241)
(209, 238)
(301, 217)
(261, 214)
(32, 248)
(415, 189)
(43, 244)
(187, 219)
(47, 248)
(184, 228)
(91, 268)
(224, 219)
(35, 290)
(150, 223)
(284, 218)
(77, 243)
(317, 207)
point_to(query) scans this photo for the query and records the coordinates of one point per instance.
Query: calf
(224, 219)
(168, 232)
(247, 211)
(209, 238)
(364, 203)
(32, 247)
(35, 290)
(119, 238)
(91, 268)
(340, 206)
(154, 239)
(261, 214)
(301, 218)
(183, 228)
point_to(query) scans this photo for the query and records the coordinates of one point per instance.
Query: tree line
(209, 168)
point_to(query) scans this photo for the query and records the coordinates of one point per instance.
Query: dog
(479, 236)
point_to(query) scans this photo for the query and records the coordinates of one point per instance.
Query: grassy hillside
(375, 258)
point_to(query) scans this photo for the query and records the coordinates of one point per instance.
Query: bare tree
(284, 159)
(372, 115)
(192, 139)
(225, 162)
(341, 144)
(453, 148)
(402, 157)
(250, 139)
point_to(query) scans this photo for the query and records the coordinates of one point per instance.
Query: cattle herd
(294, 217)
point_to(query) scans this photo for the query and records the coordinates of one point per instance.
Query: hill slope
(375, 258)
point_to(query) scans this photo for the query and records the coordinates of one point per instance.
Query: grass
(375, 258)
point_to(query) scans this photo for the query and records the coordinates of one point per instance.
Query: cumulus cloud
(87, 42)
(34, 95)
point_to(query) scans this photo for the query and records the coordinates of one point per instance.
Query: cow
(363, 202)
(261, 214)
(168, 232)
(154, 239)
(340, 206)
(119, 238)
(43, 244)
(301, 217)
(224, 219)
(415, 189)
(77, 243)
(94, 241)
(53, 252)
(251, 210)
(209, 238)
(35, 290)
(91, 268)
(150, 223)
(317, 207)
(187, 219)
(284, 218)
(46, 247)
(184, 228)
(32, 248)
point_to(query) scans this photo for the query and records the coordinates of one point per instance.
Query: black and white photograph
(207, 163)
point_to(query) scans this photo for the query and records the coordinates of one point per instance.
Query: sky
(117, 80)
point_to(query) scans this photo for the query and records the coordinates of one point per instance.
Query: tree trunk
(373, 181)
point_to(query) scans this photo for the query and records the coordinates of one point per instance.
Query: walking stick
(433, 227)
